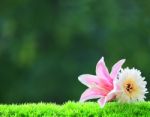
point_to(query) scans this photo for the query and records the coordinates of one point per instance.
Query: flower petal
(111, 95)
(91, 93)
(116, 68)
(105, 85)
(102, 102)
(101, 69)
(116, 85)
(89, 80)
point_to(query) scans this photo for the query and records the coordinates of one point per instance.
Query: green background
(45, 45)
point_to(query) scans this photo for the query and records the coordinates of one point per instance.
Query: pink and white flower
(102, 85)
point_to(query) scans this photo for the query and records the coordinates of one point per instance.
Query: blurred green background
(45, 45)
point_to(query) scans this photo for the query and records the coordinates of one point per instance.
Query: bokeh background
(45, 45)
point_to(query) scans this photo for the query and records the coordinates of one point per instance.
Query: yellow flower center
(130, 87)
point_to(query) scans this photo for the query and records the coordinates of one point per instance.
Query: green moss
(72, 109)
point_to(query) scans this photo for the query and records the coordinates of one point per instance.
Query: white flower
(132, 86)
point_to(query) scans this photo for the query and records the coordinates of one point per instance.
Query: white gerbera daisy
(132, 86)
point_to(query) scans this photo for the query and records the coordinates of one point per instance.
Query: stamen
(129, 87)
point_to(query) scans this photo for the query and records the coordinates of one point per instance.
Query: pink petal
(111, 95)
(105, 85)
(116, 68)
(89, 80)
(91, 93)
(93, 82)
(102, 71)
(102, 102)
(116, 85)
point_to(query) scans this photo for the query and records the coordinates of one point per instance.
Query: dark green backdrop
(45, 45)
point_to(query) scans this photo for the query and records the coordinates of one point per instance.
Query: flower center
(130, 88)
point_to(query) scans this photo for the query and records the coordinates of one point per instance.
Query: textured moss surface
(74, 109)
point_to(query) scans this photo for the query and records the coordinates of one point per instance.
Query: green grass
(72, 109)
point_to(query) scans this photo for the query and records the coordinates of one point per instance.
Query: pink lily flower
(102, 85)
